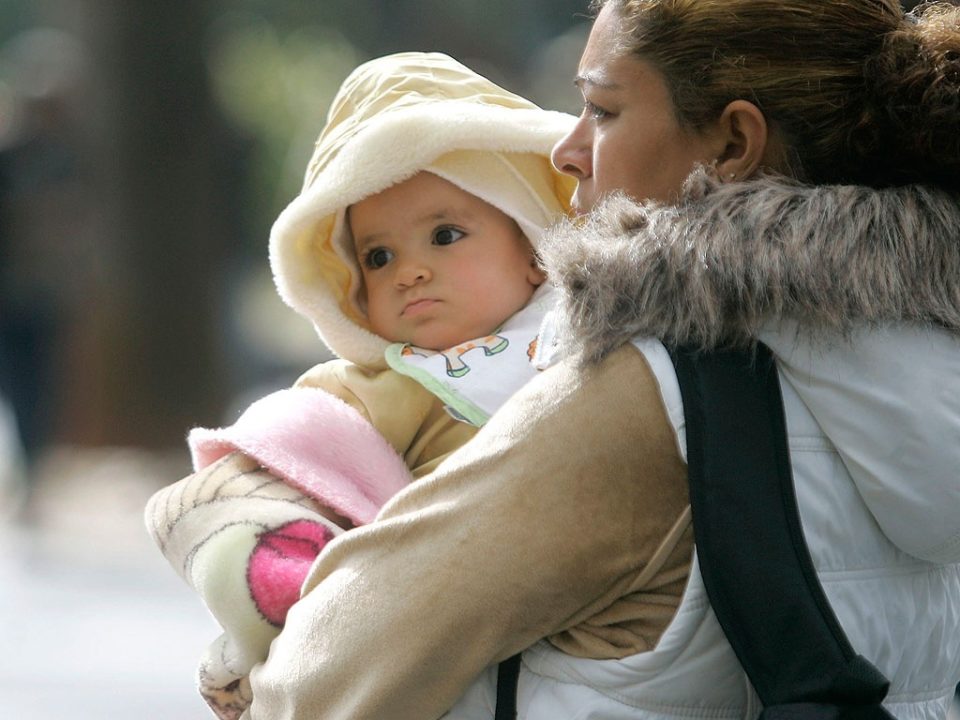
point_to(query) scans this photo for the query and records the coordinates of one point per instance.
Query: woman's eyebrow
(595, 79)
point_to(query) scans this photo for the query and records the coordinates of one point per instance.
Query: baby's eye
(594, 111)
(376, 258)
(447, 235)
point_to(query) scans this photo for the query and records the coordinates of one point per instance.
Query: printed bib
(476, 377)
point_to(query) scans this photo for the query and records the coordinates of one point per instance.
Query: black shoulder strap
(752, 554)
(508, 675)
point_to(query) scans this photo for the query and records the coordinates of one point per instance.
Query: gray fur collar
(710, 270)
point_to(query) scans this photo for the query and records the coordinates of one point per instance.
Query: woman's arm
(542, 521)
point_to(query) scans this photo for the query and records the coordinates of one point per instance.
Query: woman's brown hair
(859, 91)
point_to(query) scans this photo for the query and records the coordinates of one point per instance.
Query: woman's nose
(573, 154)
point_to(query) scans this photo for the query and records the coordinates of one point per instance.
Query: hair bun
(914, 85)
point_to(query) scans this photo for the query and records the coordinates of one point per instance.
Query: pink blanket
(316, 443)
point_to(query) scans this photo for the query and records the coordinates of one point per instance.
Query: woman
(795, 168)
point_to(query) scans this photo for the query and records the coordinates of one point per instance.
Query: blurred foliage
(15, 15)
(275, 87)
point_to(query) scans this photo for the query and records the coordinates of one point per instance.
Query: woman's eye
(447, 235)
(593, 111)
(377, 258)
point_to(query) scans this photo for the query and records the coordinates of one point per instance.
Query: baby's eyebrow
(456, 213)
(360, 245)
(438, 215)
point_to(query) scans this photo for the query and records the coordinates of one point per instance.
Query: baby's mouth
(417, 306)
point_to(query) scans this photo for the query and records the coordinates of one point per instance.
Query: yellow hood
(393, 117)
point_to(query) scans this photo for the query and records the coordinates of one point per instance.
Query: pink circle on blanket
(280, 562)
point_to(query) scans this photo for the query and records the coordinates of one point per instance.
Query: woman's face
(627, 137)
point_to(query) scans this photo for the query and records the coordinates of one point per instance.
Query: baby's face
(440, 266)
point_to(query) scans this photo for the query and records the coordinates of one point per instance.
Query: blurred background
(145, 149)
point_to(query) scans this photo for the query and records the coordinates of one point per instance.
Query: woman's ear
(744, 129)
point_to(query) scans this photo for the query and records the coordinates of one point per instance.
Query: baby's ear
(360, 298)
(536, 275)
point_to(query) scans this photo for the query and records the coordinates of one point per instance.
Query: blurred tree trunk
(145, 362)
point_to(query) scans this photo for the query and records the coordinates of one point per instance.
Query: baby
(411, 249)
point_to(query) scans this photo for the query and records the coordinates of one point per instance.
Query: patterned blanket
(269, 492)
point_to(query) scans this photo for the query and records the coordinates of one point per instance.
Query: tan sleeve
(543, 522)
(411, 418)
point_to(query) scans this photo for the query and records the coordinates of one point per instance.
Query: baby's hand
(227, 693)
